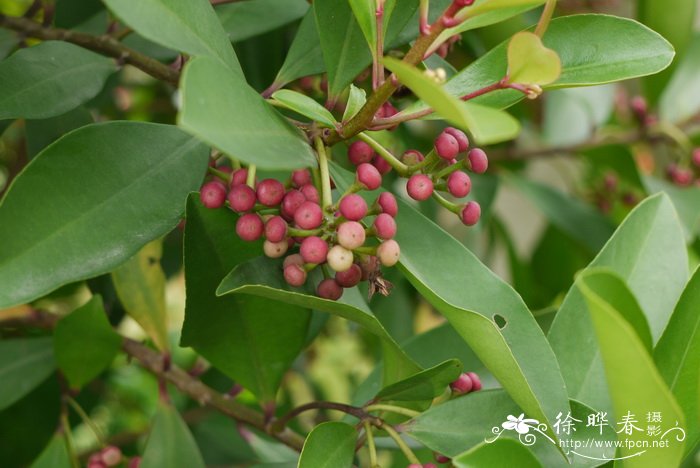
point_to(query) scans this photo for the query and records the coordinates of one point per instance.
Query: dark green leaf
(55, 455)
(8, 41)
(50, 79)
(424, 385)
(304, 105)
(128, 180)
(243, 20)
(304, 57)
(86, 328)
(41, 133)
(170, 442)
(502, 452)
(24, 364)
(329, 445)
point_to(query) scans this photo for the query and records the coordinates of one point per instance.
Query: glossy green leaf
(530, 62)
(573, 216)
(252, 340)
(425, 385)
(516, 351)
(170, 442)
(329, 445)
(140, 286)
(364, 12)
(8, 41)
(221, 109)
(356, 99)
(466, 422)
(86, 328)
(648, 252)
(130, 179)
(263, 277)
(243, 20)
(485, 124)
(24, 364)
(636, 387)
(305, 106)
(41, 133)
(572, 115)
(677, 356)
(304, 57)
(55, 455)
(685, 200)
(681, 98)
(503, 452)
(189, 26)
(50, 79)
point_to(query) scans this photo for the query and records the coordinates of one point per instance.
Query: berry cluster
(294, 223)
(685, 176)
(610, 190)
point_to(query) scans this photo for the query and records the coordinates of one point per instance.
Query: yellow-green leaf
(530, 62)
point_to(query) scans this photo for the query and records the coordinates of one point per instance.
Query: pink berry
(639, 106)
(368, 264)
(295, 275)
(212, 194)
(412, 157)
(682, 177)
(314, 250)
(294, 259)
(446, 146)
(135, 462)
(476, 381)
(696, 157)
(459, 184)
(419, 187)
(249, 227)
(301, 177)
(310, 193)
(238, 177)
(350, 277)
(111, 455)
(461, 138)
(241, 198)
(270, 192)
(360, 152)
(353, 207)
(339, 258)
(329, 289)
(478, 160)
(382, 166)
(471, 213)
(387, 110)
(275, 249)
(440, 458)
(308, 215)
(368, 176)
(351, 235)
(290, 203)
(463, 384)
(384, 226)
(275, 229)
(388, 252)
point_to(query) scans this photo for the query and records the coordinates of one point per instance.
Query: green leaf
(685, 199)
(252, 340)
(485, 311)
(263, 277)
(55, 455)
(86, 328)
(189, 26)
(128, 180)
(329, 445)
(677, 356)
(487, 125)
(304, 57)
(648, 252)
(503, 452)
(24, 364)
(140, 286)
(41, 133)
(221, 109)
(636, 387)
(425, 385)
(243, 20)
(8, 41)
(467, 422)
(530, 62)
(364, 12)
(681, 98)
(305, 106)
(356, 99)
(571, 116)
(170, 442)
(50, 79)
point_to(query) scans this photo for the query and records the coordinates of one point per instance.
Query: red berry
(351, 235)
(308, 215)
(471, 213)
(329, 289)
(388, 252)
(310, 193)
(387, 204)
(339, 258)
(446, 146)
(212, 194)
(290, 203)
(476, 381)
(241, 198)
(350, 277)
(440, 458)
(270, 192)
(249, 227)
(275, 229)
(353, 207)
(313, 250)
(463, 384)
(111, 455)
(382, 166)
(135, 462)
(294, 259)
(412, 157)
(696, 157)
(461, 138)
(478, 160)
(275, 249)
(459, 184)
(639, 106)
(301, 177)
(682, 177)
(238, 177)
(368, 176)
(387, 110)
(295, 275)
(384, 226)
(360, 152)
(419, 187)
